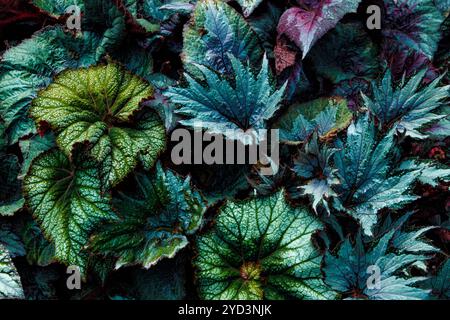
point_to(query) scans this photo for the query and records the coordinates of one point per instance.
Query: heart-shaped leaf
(306, 26)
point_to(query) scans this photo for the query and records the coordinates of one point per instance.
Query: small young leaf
(248, 6)
(314, 165)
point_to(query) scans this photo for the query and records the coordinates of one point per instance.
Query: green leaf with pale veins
(102, 30)
(261, 249)
(10, 284)
(30, 66)
(156, 220)
(101, 106)
(66, 200)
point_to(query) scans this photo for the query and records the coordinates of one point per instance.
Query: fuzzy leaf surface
(30, 66)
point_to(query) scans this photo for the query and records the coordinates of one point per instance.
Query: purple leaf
(306, 25)
(403, 61)
(414, 24)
